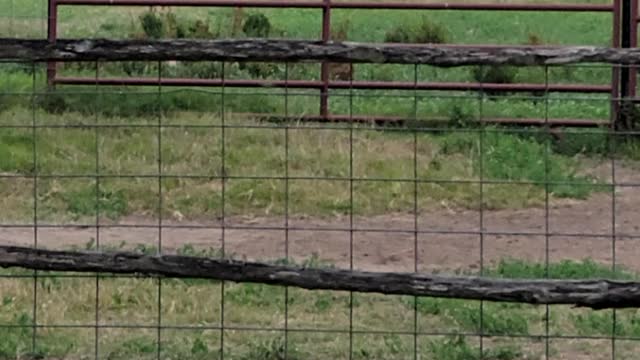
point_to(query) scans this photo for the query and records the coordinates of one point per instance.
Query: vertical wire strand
(481, 213)
(97, 168)
(546, 203)
(34, 134)
(351, 207)
(159, 169)
(415, 207)
(286, 206)
(613, 149)
(223, 177)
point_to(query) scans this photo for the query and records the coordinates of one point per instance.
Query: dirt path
(446, 240)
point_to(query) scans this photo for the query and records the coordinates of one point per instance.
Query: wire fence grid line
(411, 201)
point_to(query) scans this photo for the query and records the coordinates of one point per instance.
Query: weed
(498, 319)
(256, 295)
(200, 30)
(273, 349)
(257, 25)
(508, 157)
(398, 34)
(430, 32)
(565, 269)
(457, 348)
(16, 152)
(494, 74)
(593, 323)
(152, 25)
(427, 32)
(16, 340)
(86, 202)
(459, 118)
(534, 39)
(52, 102)
(136, 346)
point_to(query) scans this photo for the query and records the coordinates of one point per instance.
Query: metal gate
(623, 82)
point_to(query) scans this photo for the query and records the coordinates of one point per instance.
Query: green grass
(192, 157)
(134, 301)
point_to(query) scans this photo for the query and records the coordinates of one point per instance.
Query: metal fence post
(52, 33)
(324, 70)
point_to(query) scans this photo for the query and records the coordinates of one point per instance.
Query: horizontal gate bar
(360, 85)
(349, 5)
(397, 120)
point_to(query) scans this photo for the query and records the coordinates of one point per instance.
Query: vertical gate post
(627, 83)
(324, 70)
(633, 42)
(52, 34)
(615, 71)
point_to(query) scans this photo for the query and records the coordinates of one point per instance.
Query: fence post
(633, 42)
(324, 70)
(52, 34)
(623, 119)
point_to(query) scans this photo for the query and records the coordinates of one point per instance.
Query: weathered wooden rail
(595, 294)
(300, 50)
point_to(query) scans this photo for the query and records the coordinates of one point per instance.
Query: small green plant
(272, 349)
(459, 118)
(152, 25)
(495, 74)
(255, 295)
(86, 202)
(427, 32)
(200, 30)
(430, 32)
(257, 26)
(16, 152)
(174, 28)
(52, 102)
(565, 269)
(398, 34)
(16, 340)
(457, 348)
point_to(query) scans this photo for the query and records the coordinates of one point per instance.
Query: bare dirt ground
(446, 239)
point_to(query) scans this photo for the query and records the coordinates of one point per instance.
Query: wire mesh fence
(170, 169)
(114, 169)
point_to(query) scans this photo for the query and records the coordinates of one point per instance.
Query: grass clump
(509, 157)
(457, 348)
(426, 32)
(495, 74)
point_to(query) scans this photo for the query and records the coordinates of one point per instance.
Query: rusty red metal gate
(623, 82)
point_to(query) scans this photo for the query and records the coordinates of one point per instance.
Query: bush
(431, 33)
(398, 35)
(152, 25)
(427, 32)
(257, 25)
(495, 74)
(200, 30)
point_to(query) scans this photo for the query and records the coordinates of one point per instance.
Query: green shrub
(427, 32)
(398, 35)
(200, 30)
(152, 25)
(52, 103)
(495, 74)
(257, 25)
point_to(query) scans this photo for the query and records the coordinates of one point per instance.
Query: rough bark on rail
(596, 294)
(300, 50)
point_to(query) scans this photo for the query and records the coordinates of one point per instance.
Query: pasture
(175, 169)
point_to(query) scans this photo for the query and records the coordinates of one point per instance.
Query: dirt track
(391, 246)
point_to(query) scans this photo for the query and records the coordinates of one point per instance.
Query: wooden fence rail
(299, 50)
(595, 294)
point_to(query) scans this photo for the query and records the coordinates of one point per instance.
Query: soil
(446, 240)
